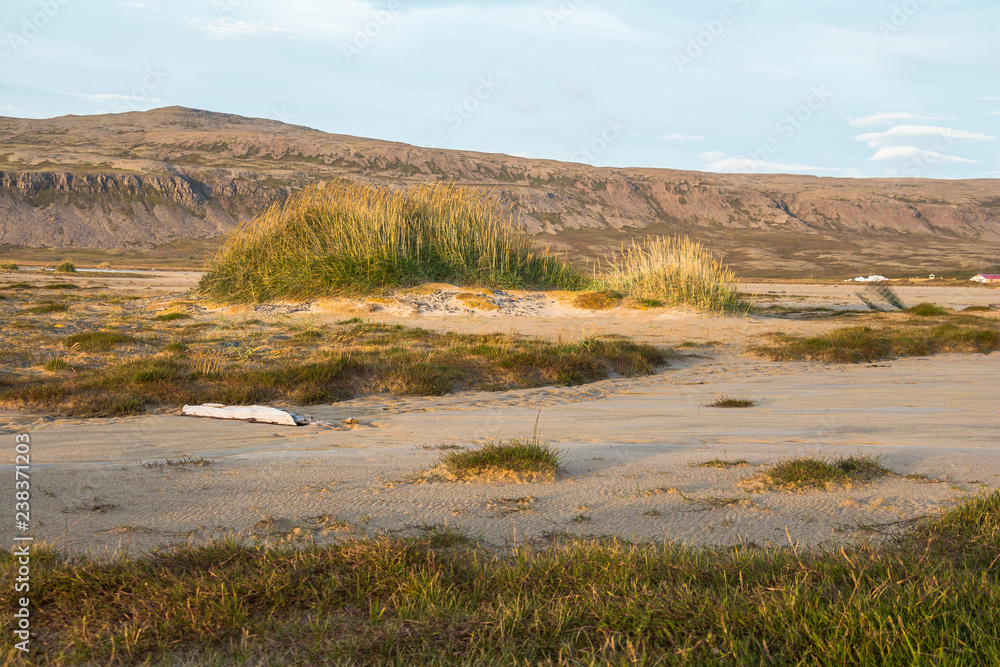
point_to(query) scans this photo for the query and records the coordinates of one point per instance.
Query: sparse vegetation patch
(801, 474)
(172, 317)
(179, 462)
(527, 459)
(321, 367)
(731, 402)
(47, 308)
(927, 310)
(719, 463)
(98, 341)
(863, 344)
(596, 300)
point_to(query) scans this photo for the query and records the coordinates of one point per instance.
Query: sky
(857, 88)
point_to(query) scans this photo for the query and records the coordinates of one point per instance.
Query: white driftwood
(250, 413)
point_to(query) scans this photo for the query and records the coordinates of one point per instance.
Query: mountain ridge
(144, 179)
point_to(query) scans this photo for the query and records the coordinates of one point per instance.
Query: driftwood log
(248, 413)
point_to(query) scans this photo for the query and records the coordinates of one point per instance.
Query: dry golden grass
(595, 301)
(110, 373)
(476, 301)
(345, 238)
(674, 271)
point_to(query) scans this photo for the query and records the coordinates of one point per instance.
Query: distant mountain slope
(147, 178)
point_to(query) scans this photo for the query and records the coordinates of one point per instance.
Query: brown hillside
(145, 179)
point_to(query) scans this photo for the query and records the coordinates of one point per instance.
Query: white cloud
(683, 137)
(989, 99)
(716, 161)
(907, 152)
(906, 132)
(886, 118)
(15, 111)
(225, 28)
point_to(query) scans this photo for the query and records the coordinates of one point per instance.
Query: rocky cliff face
(144, 179)
(122, 210)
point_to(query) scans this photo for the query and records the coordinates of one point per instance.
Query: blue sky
(864, 88)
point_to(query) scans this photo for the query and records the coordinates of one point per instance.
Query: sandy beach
(630, 446)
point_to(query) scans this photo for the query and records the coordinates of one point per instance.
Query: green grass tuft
(97, 341)
(171, 317)
(8, 266)
(927, 310)
(47, 307)
(730, 402)
(66, 267)
(496, 458)
(345, 238)
(807, 473)
(56, 365)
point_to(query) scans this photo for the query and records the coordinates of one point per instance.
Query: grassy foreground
(344, 238)
(930, 596)
(308, 368)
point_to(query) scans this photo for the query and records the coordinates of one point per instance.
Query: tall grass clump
(344, 238)
(675, 271)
